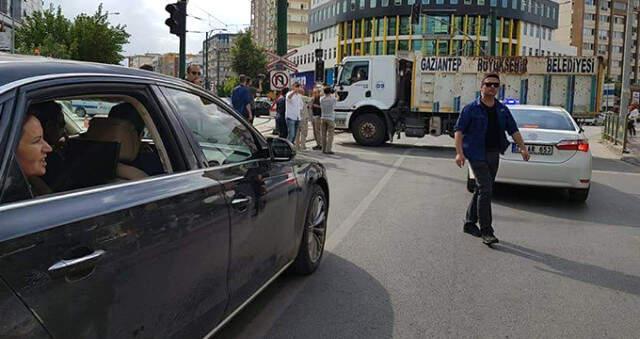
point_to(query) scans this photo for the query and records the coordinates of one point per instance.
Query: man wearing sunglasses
(194, 74)
(480, 137)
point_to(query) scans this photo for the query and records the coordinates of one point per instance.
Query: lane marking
(615, 173)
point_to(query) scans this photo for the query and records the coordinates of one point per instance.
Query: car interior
(120, 145)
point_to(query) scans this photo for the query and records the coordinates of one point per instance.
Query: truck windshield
(543, 119)
(354, 71)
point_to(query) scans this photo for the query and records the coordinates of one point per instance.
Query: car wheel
(314, 234)
(578, 194)
(471, 184)
(369, 130)
(81, 112)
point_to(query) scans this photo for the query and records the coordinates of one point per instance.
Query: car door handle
(241, 203)
(63, 267)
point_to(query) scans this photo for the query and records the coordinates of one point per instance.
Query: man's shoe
(489, 239)
(317, 148)
(471, 229)
(329, 152)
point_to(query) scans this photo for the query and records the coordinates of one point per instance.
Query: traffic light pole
(183, 42)
(281, 38)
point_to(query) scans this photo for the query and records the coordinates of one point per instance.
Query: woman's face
(32, 150)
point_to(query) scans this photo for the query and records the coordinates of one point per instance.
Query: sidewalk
(605, 149)
(633, 146)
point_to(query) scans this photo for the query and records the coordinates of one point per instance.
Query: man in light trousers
(327, 105)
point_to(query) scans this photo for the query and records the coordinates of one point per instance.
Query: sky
(145, 20)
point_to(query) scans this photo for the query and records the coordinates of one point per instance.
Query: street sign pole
(281, 37)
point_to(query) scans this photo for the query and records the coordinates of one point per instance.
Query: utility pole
(625, 91)
(281, 24)
(13, 27)
(205, 48)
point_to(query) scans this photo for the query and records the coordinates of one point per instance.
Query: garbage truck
(382, 96)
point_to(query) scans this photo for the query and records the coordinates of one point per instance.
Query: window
(438, 24)
(411, 2)
(493, 3)
(373, 3)
(354, 71)
(514, 4)
(618, 35)
(361, 4)
(439, 2)
(405, 23)
(398, 2)
(505, 3)
(222, 137)
(391, 26)
(524, 30)
(620, 6)
(543, 119)
(468, 2)
(385, 3)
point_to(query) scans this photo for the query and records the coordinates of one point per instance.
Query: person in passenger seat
(49, 113)
(31, 154)
(147, 159)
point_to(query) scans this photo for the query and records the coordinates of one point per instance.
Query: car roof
(535, 107)
(18, 67)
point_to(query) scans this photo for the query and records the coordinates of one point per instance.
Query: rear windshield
(543, 119)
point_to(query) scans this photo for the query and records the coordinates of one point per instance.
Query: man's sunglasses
(492, 84)
(196, 73)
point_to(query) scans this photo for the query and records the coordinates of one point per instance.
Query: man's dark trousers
(480, 207)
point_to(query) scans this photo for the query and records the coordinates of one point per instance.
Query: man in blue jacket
(480, 137)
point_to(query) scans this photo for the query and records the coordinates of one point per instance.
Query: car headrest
(116, 130)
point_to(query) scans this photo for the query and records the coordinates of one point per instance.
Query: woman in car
(31, 154)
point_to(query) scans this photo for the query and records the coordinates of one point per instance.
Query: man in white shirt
(633, 117)
(293, 109)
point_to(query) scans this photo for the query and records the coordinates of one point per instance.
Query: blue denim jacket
(473, 121)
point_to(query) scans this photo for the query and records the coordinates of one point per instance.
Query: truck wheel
(369, 130)
(578, 194)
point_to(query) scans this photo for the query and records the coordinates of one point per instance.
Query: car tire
(81, 112)
(578, 194)
(471, 184)
(314, 234)
(369, 130)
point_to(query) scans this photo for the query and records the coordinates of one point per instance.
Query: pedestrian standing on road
(281, 118)
(327, 106)
(294, 107)
(303, 128)
(194, 74)
(316, 111)
(631, 121)
(241, 99)
(480, 137)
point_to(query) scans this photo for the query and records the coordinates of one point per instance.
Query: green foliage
(226, 89)
(246, 57)
(87, 38)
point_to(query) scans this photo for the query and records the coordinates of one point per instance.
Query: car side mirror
(282, 149)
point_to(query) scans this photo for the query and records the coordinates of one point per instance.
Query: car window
(353, 72)
(543, 119)
(222, 137)
(100, 150)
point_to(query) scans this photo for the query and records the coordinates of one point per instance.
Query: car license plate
(534, 149)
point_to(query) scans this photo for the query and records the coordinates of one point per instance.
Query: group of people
(294, 111)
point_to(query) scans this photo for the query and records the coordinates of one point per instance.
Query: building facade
(264, 28)
(446, 27)
(12, 13)
(218, 58)
(145, 59)
(597, 27)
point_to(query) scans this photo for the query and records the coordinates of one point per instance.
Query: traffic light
(416, 11)
(177, 22)
(319, 71)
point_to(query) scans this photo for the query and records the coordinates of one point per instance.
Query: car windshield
(543, 119)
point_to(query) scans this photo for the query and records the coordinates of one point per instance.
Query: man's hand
(525, 154)
(460, 160)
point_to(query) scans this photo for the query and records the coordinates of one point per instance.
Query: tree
(226, 89)
(246, 57)
(87, 38)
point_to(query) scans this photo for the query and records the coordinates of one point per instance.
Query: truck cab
(371, 85)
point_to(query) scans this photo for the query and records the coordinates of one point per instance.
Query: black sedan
(161, 219)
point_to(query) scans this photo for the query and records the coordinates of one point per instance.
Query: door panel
(263, 199)
(164, 268)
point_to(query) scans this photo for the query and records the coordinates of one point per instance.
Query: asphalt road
(398, 265)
